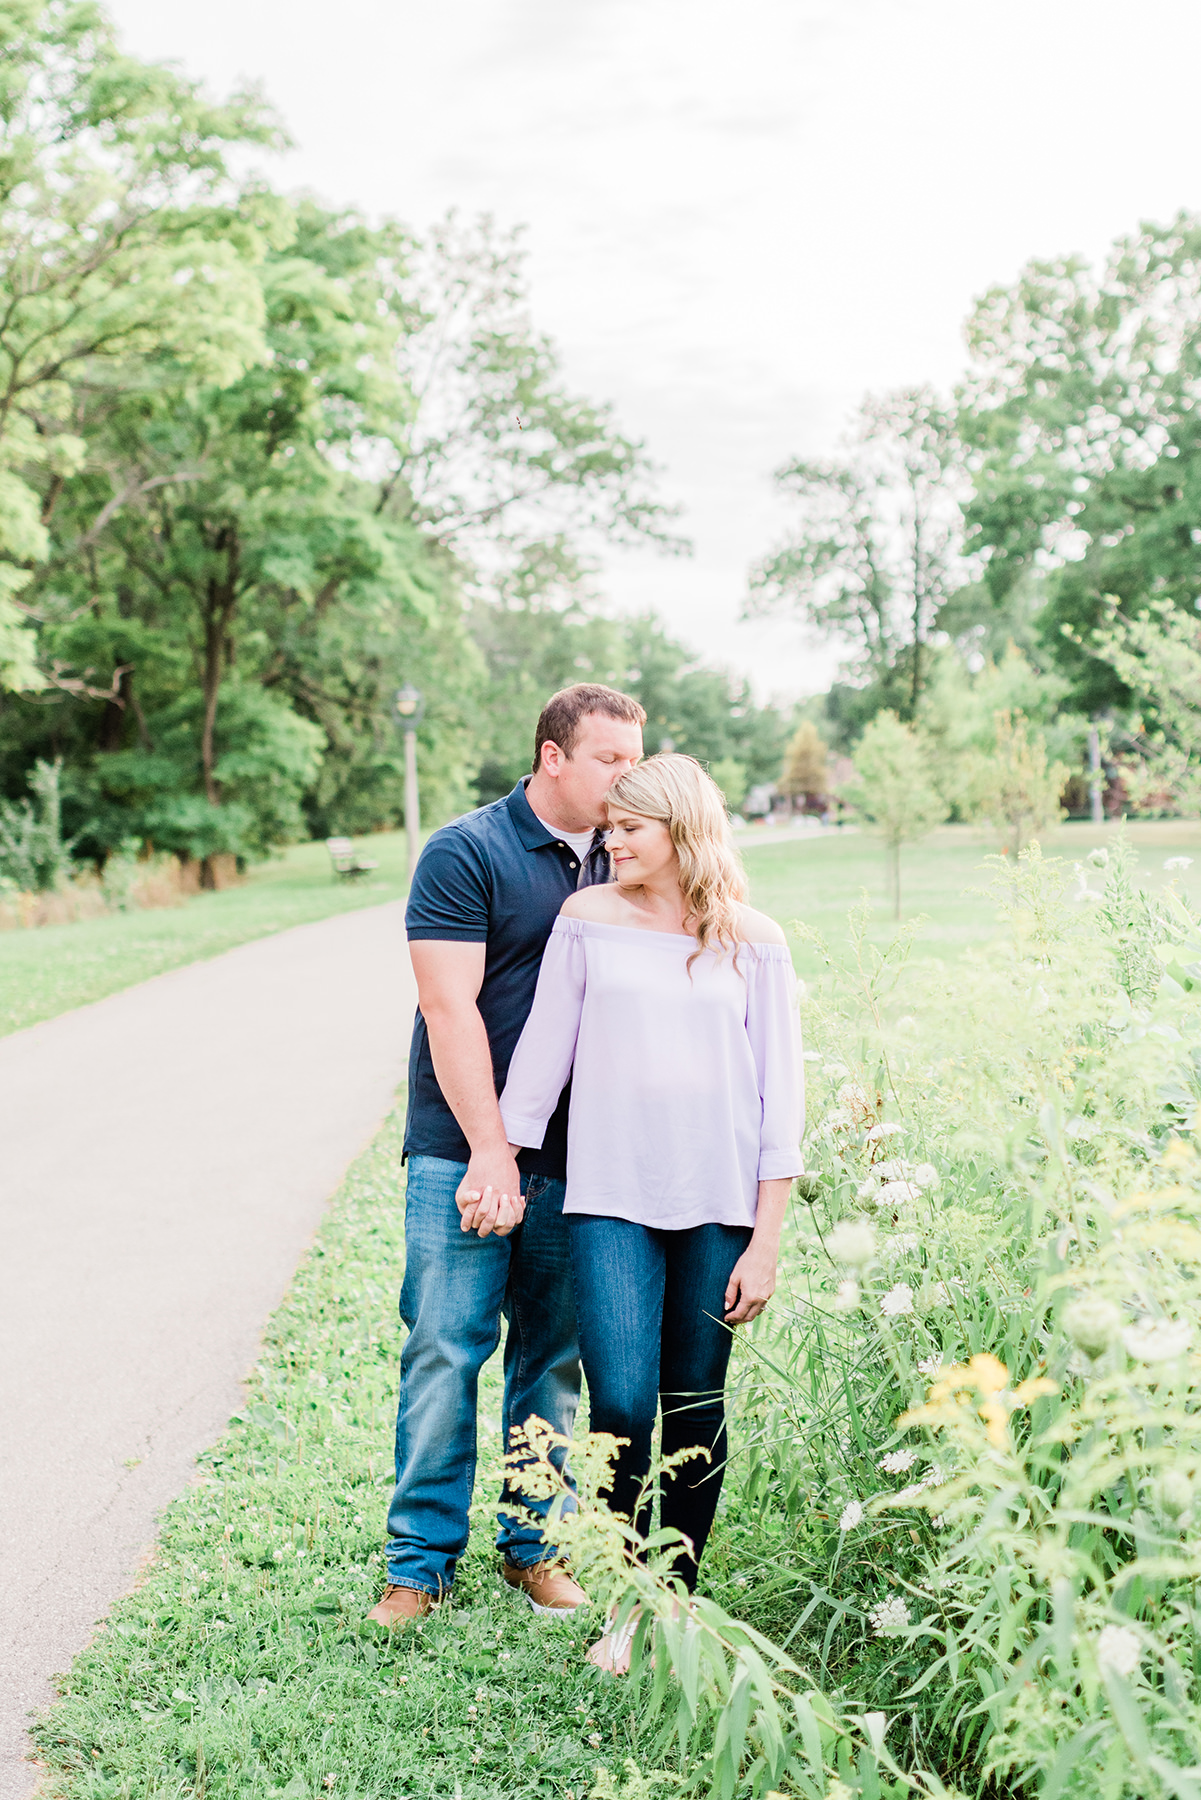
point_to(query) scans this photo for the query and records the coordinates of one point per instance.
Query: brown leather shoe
(548, 1586)
(400, 1604)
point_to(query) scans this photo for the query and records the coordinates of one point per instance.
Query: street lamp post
(409, 707)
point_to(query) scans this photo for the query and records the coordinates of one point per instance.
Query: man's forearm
(463, 1064)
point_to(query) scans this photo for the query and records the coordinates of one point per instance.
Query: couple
(603, 1128)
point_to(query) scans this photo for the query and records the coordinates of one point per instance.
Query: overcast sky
(741, 216)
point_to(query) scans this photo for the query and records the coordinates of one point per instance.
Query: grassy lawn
(48, 971)
(818, 878)
(238, 1666)
(815, 878)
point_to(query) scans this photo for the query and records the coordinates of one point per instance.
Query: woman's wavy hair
(676, 790)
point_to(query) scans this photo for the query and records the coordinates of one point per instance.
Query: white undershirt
(580, 841)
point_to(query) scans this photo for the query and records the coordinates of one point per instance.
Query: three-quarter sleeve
(541, 1063)
(774, 1028)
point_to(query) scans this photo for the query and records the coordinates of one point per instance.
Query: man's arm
(449, 978)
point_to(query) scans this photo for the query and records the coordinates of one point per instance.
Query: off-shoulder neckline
(669, 937)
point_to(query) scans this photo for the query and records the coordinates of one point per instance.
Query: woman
(671, 1004)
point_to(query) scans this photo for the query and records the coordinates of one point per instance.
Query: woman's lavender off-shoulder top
(687, 1089)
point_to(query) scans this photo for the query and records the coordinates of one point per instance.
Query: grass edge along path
(237, 1665)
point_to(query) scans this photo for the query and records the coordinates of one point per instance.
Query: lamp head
(409, 704)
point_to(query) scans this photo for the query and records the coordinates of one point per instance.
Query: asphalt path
(165, 1156)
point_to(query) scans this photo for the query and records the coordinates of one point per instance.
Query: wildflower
(866, 1189)
(506, 1655)
(1119, 1649)
(852, 1242)
(1179, 862)
(897, 1461)
(837, 1119)
(850, 1516)
(1098, 859)
(903, 1244)
(926, 1176)
(472, 1711)
(835, 1071)
(896, 1170)
(1092, 1323)
(943, 1296)
(594, 1738)
(1157, 1340)
(331, 1781)
(898, 1300)
(890, 1618)
(481, 1694)
(838, 1790)
(897, 1193)
(1175, 1493)
(930, 1365)
(879, 1132)
(847, 1297)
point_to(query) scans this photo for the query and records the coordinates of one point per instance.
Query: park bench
(348, 865)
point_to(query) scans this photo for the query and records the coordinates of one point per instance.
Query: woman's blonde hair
(676, 790)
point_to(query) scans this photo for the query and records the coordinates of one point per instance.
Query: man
(487, 891)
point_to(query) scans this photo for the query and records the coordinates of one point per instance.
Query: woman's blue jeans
(457, 1286)
(650, 1306)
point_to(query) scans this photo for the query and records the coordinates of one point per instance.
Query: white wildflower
(836, 1071)
(837, 1119)
(903, 1244)
(1098, 859)
(926, 1176)
(938, 1521)
(878, 1133)
(945, 1293)
(930, 1365)
(851, 1093)
(890, 1618)
(897, 1193)
(867, 1189)
(472, 1711)
(594, 1738)
(1092, 1323)
(847, 1297)
(897, 1461)
(896, 1170)
(1179, 862)
(852, 1242)
(1118, 1649)
(850, 1516)
(897, 1300)
(506, 1655)
(1157, 1340)
(481, 1694)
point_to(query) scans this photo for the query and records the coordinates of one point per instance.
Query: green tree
(122, 251)
(875, 550)
(894, 788)
(1017, 790)
(1079, 409)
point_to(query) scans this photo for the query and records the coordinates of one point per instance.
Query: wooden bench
(347, 864)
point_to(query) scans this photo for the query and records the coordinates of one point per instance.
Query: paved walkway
(165, 1156)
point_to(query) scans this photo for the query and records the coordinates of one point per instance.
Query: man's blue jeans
(457, 1286)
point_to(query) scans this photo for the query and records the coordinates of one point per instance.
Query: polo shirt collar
(530, 829)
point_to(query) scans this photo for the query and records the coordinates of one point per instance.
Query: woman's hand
(752, 1283)
(491, 1212)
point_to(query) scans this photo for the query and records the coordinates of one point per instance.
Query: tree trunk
(220, 602)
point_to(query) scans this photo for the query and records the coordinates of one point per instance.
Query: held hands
(489, 1195)
(752, 1283)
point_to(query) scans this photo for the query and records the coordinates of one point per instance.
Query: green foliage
(1158, 656)
(894, 787)
(33, 856)
(1017, 790)
(805, 770)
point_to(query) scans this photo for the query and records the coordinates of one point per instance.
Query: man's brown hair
(559, 720)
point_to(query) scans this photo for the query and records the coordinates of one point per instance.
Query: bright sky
(741, 216)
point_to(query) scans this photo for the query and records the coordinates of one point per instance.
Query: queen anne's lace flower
(878, 1133)
(1157, 1340)
(897, 1193)
(890, 1618)
(895, 1170)
(903, 1244)
(851, 1515)
(847, 1297)
(897, 1300)
(897, 1461)
(1119, 1649)
(926, 1175)
(1179, 862)
(853, 1242)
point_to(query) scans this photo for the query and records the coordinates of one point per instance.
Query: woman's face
(641, 848)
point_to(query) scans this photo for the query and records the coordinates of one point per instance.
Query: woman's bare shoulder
(599, 903)
(756, 928)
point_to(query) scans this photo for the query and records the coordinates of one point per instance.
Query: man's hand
(489, 1195)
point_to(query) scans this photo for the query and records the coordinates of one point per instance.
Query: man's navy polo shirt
(496, 877)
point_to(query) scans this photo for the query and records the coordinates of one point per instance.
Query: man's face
(604, 749)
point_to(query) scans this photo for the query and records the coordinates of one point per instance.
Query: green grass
(48, 971)
(239, 1665)
(818, 879)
